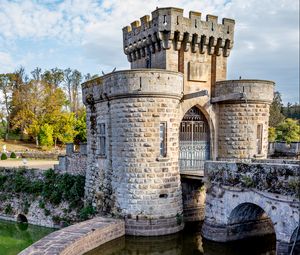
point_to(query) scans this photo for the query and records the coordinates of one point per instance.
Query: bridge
(251, 199)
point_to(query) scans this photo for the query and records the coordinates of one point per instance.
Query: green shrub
(86, 212)
(179, 218)
(26, 206)
(8, 209)
(47, 212)
(56, 219)
(41, 204)
(13, 155)
(45, 135)
(3, 156)
(53, 188)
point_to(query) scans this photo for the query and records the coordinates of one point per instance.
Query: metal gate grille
(194, 146)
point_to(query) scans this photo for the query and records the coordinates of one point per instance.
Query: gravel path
(40, 164)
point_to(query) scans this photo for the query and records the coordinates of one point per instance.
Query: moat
(185, 243)
(14, 237)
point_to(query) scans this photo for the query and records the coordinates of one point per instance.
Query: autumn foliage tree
(46, 107)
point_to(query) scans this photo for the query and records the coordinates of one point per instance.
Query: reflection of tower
(176, 244)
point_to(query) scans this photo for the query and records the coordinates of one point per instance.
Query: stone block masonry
(44, 198)
(74, 162)
(79, 238)
(251, 199)
(243, 118)
(131, 178)
(139, 125)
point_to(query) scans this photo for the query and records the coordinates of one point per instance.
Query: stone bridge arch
(250, 217)
(245, 213)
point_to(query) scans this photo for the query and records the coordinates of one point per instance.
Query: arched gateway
(194, 141)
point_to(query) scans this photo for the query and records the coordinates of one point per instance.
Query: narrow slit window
(163, 139)
(259, 133)
(102, 139)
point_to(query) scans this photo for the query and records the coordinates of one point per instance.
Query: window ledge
(259, 155)
(162, 159)
(101, 156)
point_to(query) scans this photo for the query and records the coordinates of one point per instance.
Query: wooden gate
(194, 141)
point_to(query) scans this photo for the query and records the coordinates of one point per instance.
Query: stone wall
(245, 200)
(193, 197)
(282, 149)
(132, 179)
(243, 118)
(79, 238)
(280, 179)
(169, 34)
(24, 197)
(74, 162)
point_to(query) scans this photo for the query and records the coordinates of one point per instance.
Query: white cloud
(266, 35)
(6, 62)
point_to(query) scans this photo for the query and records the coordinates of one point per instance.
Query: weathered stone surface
(246, 199)
(79, 238)
(32, 205)
(193, 197)
(239, 118)
(283, 179)
(131, 178)
(74, 162)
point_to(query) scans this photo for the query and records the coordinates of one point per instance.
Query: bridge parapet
(280, 179)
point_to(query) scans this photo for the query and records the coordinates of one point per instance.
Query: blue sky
(87, 35)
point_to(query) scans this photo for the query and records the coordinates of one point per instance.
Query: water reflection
(14, 237)
(185, 243)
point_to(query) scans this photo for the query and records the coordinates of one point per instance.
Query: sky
(87, 35)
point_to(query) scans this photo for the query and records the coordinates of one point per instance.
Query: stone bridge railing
(283, 179)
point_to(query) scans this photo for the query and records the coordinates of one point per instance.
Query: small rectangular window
(163, 139)
(259, 134)
(102, 139)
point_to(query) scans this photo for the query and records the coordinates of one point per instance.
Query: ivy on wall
(48, 187)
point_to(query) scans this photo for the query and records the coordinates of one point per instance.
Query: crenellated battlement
(168, 27)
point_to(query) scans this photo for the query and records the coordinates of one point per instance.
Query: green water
(185, 243)
(15, 237)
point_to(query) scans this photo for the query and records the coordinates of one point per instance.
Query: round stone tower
(243, 118)
(133, 150)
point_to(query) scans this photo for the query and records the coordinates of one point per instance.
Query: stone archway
(248, 219)
(22, 218)
(194, 141)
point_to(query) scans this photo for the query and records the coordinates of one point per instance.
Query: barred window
(163, 139)
(102, 139)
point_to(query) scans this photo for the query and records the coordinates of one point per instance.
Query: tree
(68, 84)
(64, 128)
(272, 134)
(80, 127)
(36, 74)
(288, 131)
(55, 76)
(276, 115)
(6, 90)
(76, 81)
(45, 136)
(40, 108)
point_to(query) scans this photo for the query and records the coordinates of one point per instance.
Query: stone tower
(168, 114)
(170, 41)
